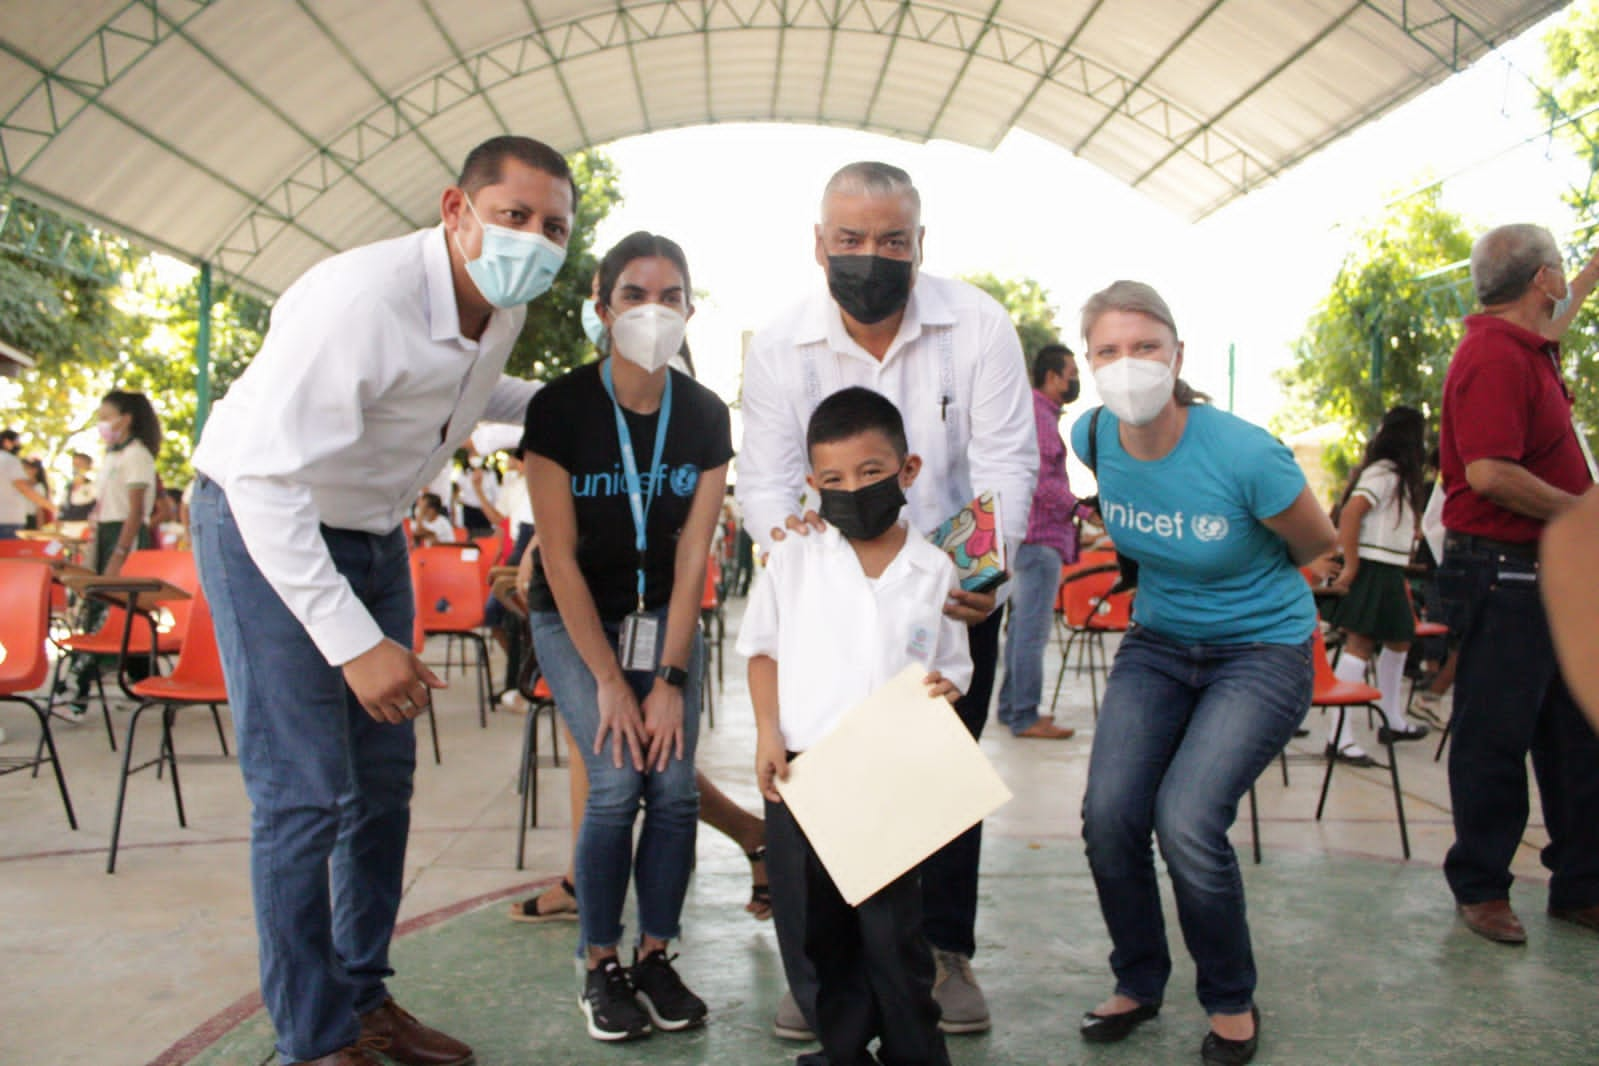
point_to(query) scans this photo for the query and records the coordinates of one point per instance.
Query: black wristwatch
(675, 676)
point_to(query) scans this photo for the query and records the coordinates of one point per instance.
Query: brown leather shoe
(1046, 729)
(399, 1036)
(1587, 917)
(354, 1055)
(1494, 920)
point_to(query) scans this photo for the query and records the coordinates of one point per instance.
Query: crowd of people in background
(873, 409)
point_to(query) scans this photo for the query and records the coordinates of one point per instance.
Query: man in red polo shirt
(1511, 461)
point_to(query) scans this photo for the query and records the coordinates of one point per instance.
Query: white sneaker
(790, 1023)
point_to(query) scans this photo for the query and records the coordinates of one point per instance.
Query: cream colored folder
(896, 780)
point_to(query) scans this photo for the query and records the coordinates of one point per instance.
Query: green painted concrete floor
(1360, 960)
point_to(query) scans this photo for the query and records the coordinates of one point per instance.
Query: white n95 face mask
(1135, 390)
(648, 335)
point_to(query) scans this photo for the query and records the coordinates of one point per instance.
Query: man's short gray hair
(1506, 259)
(870, 178)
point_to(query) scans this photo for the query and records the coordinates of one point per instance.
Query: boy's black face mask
(869, 287)
(867, 512)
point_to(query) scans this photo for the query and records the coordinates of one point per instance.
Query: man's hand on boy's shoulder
(771, 765)
(801, 524)
(938, 685)
(970, 607)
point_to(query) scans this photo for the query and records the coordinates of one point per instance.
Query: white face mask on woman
(648, 335)
(1135, 390)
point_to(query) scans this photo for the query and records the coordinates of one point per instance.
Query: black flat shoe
(1349, 758)
(1395, 736)
(1109, 1028)
(1217, 1050)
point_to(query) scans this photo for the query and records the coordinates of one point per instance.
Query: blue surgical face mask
(593, 326)
(514, 267)
(1562, 305)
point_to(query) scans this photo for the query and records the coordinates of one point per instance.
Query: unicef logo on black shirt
(682, 480)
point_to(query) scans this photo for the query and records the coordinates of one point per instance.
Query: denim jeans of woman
(605, 852)
(1183, 732)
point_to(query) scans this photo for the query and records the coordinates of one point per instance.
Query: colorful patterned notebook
(974, 538)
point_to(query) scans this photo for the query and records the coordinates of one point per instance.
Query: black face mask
(1074, 388)
(869, 287)
(866, 513)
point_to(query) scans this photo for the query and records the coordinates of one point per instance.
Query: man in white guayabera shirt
(378, 364)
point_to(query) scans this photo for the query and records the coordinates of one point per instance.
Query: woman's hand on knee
(663, 724)
(620, 722)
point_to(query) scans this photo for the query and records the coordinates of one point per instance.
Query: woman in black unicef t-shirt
(633, 710)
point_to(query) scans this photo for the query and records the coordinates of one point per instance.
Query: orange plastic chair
(713, 627)
(540, 701)
(24, 628)
(450, 595)
(419, 639)
(152, 634)
(1089, 612)
(196, 681)
(1332, 694)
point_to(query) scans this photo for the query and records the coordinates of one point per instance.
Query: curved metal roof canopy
(262, 135)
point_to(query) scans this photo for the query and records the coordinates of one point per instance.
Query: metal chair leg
(1332, 760)
(1254, 822)
(47, 743)
(122, 788)
(168, 716)
(222, 737)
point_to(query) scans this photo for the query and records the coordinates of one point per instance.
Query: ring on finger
(406, 705)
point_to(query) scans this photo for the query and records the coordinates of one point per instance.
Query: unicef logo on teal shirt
(685, 479)
(1209, 527)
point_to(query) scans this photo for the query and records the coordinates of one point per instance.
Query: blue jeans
(1035, 578)
(1510, 700)
(329, 787)
(671, 800)
(1184, 730)
(8, 532)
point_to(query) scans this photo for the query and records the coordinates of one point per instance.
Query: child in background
(432, 525)
(1377, 524)
(837, 614)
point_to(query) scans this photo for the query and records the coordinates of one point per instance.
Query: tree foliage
(1029, 307)
(1392, 310)
(1572, 71)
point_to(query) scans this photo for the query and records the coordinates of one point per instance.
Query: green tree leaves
(1029, 307)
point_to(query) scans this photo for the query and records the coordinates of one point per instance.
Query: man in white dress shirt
(378, 364)
(948, 356)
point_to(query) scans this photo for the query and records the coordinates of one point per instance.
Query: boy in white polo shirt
(837, 614)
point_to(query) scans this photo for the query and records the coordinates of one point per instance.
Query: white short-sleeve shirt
(838, 635)
(128, 467)
(1388, 530)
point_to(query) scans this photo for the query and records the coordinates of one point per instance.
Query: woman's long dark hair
(146, 427)
(1401, 439)
(645, 245)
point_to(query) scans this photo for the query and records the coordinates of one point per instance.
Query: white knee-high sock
(1350, 668)
(1391, 679)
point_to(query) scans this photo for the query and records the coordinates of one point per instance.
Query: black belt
(1466, 542)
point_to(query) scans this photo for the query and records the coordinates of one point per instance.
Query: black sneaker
(663, 994)
(608, 1004)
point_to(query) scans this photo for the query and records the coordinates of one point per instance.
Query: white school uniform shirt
(123, 469)
(838, 635)
(439, 526)
(1388, 530)
(955, 371)
(13, 504)
(362, 390)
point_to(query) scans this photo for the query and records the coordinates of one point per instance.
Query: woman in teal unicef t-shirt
(1213, 678)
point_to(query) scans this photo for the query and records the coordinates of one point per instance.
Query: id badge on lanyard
(638, 646)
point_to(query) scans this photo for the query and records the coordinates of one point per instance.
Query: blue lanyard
(637, 499)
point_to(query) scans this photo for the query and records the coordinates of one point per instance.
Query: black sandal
(527, 910)
(760, 895)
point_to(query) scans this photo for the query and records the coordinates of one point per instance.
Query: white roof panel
(262, 134)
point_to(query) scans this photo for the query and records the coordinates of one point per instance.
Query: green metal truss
(44, 236)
